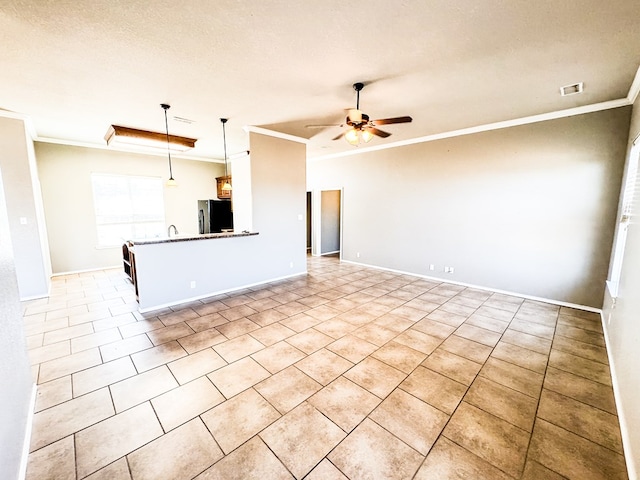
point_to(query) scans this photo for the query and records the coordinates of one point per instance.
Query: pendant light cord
(224, 141)
(166, 125)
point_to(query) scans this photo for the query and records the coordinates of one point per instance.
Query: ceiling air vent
(571, 89)
(188, 121)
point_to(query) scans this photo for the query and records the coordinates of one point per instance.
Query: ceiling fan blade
(324, 125)
(377, 132)
(388, 121)
(339, 136)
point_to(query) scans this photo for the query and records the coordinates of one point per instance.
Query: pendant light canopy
(227, 185)
(171, 182)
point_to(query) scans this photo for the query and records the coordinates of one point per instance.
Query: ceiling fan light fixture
(360, 127)
(352, 136)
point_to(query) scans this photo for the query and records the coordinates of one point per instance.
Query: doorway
(330, 213)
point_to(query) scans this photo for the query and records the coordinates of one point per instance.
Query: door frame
(316, 222)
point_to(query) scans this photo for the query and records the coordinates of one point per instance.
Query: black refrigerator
(214, 216)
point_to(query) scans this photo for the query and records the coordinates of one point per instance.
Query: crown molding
(28, 123)
(630, 99)
(596, 107)
(634, 89)
(273, 133)
(141, 150)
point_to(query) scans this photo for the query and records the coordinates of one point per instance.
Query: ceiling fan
(360, 127)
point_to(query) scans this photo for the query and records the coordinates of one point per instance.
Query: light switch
(23, 220)
(300, 216)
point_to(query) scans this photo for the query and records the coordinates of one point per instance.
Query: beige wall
(65, 175)
(24, 209)
(278, 179)
(15, 375)
(622, 327)
(529, 209)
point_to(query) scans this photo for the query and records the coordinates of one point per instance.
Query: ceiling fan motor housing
(364, 121)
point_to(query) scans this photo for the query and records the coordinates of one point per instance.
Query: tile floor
(347, 372)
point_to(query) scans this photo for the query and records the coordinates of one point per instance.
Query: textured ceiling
(75, 67)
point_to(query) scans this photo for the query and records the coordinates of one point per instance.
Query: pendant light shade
(227, 185)
(171, 182)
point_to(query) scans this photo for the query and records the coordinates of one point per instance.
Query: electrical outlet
(446, 269)
(358, 255)
(290, 264)
(450, 269)
(432, 267)
(193, 284)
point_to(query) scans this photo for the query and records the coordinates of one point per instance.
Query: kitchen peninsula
(269, 197)
(172, 270)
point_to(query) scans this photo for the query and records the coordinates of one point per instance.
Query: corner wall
(24, 209)
(622, 328)
(65, 173)
(15, 373)
(278, 177)
(528, 209)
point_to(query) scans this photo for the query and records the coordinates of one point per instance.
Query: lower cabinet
(129, 262)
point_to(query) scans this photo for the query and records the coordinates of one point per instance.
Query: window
(127, 207)
(626, 213)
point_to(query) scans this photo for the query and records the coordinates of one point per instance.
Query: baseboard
(624, 429)
(330, 253)
(480, 287)
(219, 292)
(34, 297)
(88, 270)
(27, 434)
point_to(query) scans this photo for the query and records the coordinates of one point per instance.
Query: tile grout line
(468, 387)
(535, 417)
(326, 277)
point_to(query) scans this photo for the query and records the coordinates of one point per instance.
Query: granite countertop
(189, 238)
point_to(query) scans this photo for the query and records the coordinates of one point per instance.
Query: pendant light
(171, 182)
(227, 185)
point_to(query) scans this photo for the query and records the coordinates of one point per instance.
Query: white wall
(15, 374)
(24, 209)
(65, 174)
(528, 209)
(622, 328)
(242, 195)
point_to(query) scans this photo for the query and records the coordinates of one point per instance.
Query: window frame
(626, 215)
(134, 212)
